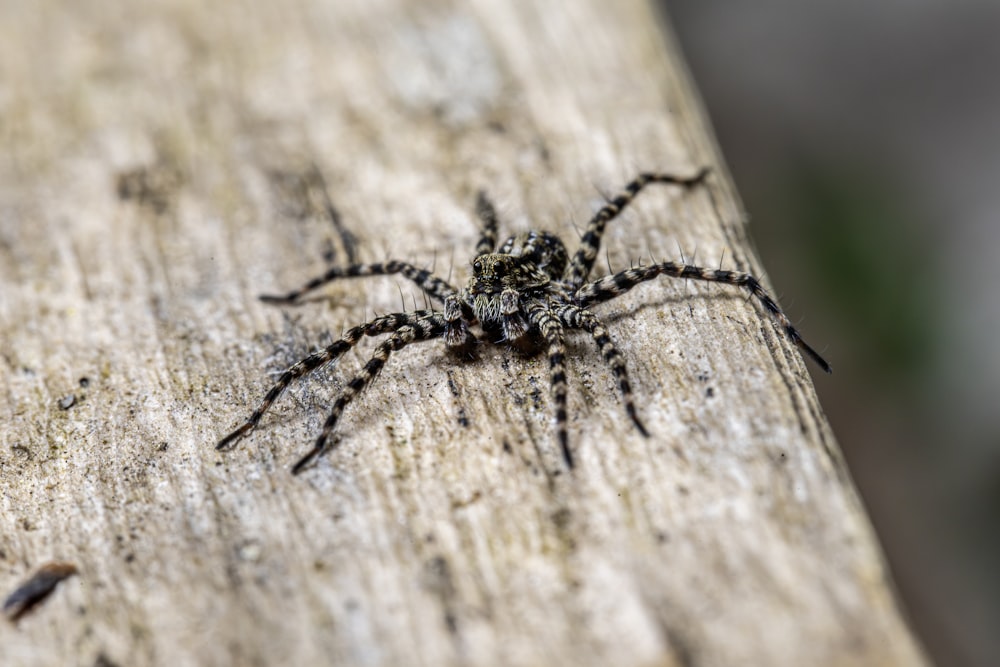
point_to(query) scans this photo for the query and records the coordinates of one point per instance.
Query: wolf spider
(526, 293)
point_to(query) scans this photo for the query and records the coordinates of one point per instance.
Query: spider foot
(230, 440)
(320, 448)
(459, 339)
(282, 299)
(639, 425)
(697, 179)
(567, 455)
(563, 438)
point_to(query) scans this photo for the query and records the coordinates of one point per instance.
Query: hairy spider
(526, 293)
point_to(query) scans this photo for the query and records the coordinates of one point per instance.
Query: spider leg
(590, 244)
(335, 350)
(552, 331)
(575, 317)
(488, 215)
(609, 287)
(457, 316)
(425, 280)
(427, 327)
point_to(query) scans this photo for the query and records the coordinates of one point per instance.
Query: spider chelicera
(526, 293)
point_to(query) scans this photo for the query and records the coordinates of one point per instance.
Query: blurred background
(865, 140)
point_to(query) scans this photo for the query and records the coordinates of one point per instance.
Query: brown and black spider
(525, 293)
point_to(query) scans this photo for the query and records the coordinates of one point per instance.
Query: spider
(526, 293)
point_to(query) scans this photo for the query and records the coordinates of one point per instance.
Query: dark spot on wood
(103, 660)
(438, 579)
(154, 186)
(22, 452)
(561, 518)
(463, 418)
(36, 588)
(459, 504)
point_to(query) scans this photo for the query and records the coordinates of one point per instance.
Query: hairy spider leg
(590, 244)
(575, 317)
(615, 285)
(487, 214)
(378, 326)
(552, 332)
(427, 327)
(424, 279)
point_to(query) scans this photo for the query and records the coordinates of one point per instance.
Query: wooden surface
(165, 162)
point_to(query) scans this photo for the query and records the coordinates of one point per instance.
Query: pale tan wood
(165, 162)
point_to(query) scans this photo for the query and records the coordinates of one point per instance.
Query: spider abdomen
(542, 249)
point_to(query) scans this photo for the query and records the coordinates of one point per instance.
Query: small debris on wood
(75, 398)
(155, 186)
(36, 588)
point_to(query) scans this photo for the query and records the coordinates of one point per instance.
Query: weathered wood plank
(165, 162)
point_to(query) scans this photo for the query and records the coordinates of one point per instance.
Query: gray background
(865, 140)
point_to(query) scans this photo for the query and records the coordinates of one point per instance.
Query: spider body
(526, 293)
(526, 269)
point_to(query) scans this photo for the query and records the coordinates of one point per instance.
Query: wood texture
(164, 162)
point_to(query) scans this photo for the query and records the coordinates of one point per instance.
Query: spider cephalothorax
(527, 292)
(527, 267)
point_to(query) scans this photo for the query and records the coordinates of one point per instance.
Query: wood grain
(165, 162)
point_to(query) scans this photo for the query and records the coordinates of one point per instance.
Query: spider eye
(477, 265)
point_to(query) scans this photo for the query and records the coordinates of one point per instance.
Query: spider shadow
(302, 301)
(616, 316)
